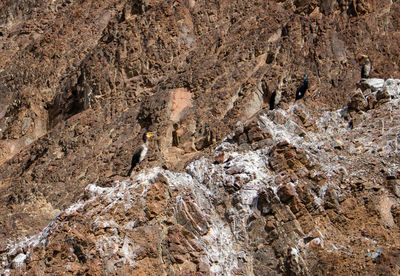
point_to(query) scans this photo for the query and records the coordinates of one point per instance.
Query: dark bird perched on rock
(301, 90)
(140, 152)
(365, 67)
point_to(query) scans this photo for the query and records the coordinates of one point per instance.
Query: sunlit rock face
(286, 193)
(239, 179)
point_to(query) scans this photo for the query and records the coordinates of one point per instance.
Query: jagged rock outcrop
(289, 203)
(82, 80)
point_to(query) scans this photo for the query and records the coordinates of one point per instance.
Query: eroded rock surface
(294, 201)
(228, 187)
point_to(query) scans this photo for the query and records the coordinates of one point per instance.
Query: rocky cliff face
(229, 187)
(286, 193)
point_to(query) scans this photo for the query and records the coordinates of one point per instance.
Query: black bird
(365, 67)
(272, 103)
(140, 152)
(301, 90)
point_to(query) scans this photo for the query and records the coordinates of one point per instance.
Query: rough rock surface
(283, 200)
(228, 187)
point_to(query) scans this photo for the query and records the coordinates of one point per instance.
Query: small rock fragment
(221, 157)
(286, 193)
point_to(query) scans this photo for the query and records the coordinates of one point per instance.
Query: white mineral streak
(205, 180)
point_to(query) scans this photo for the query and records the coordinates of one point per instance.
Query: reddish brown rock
(358, 101)
(221, 157)
(82, 80)
(286, 193)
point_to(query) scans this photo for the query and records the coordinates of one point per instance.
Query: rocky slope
(283, 194)
(309, 187)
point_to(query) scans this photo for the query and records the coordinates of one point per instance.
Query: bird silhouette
(365, 67)
(140, 152)
(301, 90)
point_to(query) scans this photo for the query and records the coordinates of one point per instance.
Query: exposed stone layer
(82, 80)
(283, 200)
